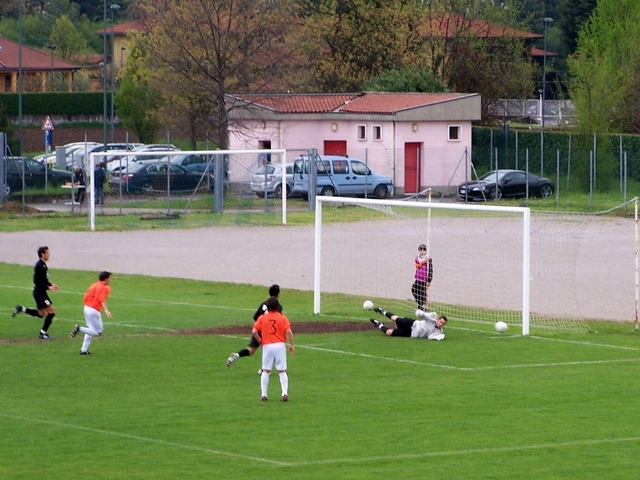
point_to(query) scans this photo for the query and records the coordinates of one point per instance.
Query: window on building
(376, 132)
(361, 132)
(454, 132)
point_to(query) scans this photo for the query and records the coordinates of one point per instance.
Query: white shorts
(93, 319)
(274, 353)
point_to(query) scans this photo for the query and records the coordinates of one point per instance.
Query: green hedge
(574, 151)
(55, 103)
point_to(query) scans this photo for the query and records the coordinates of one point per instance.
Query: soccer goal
(490, 263)
(167, 173)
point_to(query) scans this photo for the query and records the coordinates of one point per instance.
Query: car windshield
(491, 176)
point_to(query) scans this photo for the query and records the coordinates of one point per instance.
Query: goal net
(490, 263)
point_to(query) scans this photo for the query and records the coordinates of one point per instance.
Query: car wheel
(546, 191)
(146, 186)
(327, 192)
(258, 194)
(380, 191)
(277, 191)
(495, 193)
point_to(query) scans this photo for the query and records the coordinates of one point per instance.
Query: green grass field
(150, 404)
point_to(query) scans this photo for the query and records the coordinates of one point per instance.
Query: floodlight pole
(547, 21)
(114, 8)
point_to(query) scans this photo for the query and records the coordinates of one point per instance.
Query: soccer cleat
(17, 310)
(264, 399)
(285, 398)
(44, 336)
(85, 353)
(375, 322)
(232, 358)
(378, 310)
(75, 331)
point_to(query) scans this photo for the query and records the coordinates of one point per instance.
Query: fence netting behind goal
(581, 267)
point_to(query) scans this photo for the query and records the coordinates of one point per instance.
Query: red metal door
(335, 147)
(412, 167)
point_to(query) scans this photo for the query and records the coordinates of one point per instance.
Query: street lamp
(104, 75)
(114, 8)
(547, 21)
(52, 48)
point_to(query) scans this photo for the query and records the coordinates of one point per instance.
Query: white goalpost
(491, 263)
(239, 166)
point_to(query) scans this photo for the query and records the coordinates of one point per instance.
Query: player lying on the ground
(430, 326)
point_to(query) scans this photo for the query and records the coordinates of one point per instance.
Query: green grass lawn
(153, 404)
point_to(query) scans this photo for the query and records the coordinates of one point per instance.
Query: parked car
(35, 175)
(82, 155)
(72, 152)
(499, 184)
(338, 175)
(271, 176)
(144, 153)
(191, 162)
(153, 176)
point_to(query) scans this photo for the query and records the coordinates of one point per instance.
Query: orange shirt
(96, 295)
(272, 327)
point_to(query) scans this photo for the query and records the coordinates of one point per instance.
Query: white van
(342, 176)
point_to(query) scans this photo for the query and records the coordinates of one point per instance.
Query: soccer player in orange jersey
(271, 331)
(94, 300)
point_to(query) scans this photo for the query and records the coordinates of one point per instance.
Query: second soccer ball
(367, 305)
(501, 327)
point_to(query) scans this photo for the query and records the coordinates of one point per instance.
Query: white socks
(264, 383)
(284, 383)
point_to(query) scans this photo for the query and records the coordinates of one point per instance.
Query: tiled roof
(395, 102)
(384, 103)
(300, 103)
(121, 29)
(449, 26)
(32, 59)
(538, 52)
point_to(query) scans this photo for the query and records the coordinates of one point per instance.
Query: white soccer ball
(501, 327)
(367, 305)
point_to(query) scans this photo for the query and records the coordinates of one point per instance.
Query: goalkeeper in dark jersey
(274, 291)
(41, 287)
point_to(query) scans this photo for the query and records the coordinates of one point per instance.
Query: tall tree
(66, 38)
(201, 50)
(473, 46)
(605, 68)
(573, 14)
(137, 102)
(353, 41)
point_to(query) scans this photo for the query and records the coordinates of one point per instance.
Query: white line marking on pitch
(145, 439)
(462, 369)
(475, 451)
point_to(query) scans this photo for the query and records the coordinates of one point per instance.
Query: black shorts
(253, 343)
(403, 327)
(42, 299)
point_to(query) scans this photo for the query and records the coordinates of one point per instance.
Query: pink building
(419, 139)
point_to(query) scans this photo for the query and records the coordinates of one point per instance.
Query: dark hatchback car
(499, 184)
(153, 176)
(35, 175)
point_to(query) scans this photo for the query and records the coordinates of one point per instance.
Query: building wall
(442, 160)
